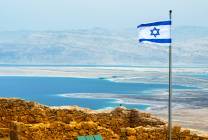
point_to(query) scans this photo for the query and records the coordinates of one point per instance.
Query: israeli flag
(156, 32)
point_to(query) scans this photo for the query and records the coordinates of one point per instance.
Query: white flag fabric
(156, 32)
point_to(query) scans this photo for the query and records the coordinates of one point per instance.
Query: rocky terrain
(23, 120)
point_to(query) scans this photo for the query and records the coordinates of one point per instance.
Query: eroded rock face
(28, 120)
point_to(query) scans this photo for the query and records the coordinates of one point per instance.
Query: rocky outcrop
(58, 131)
(157, 133)
(23, 120)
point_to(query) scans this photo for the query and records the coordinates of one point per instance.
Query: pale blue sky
(119, 14)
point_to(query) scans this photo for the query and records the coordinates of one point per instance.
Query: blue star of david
(155, 32)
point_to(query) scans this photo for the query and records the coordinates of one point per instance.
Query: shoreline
(186, 114)
(186, 121)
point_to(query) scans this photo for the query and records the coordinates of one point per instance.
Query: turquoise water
(45, 90)
(202, 76)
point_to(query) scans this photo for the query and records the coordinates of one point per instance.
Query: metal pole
(170, 86)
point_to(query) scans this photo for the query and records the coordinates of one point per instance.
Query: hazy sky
(73, 14)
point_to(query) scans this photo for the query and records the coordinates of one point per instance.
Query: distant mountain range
(99, 46)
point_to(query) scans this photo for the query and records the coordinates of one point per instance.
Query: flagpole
(170, 86)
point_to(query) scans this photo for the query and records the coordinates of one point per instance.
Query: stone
(28, 120)
(130, 131)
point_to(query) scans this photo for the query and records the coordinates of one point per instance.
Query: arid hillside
(22, 120)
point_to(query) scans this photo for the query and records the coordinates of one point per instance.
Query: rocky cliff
(22, 120)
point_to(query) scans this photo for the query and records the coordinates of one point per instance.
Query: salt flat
(188, 104)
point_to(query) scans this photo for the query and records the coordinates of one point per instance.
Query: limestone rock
(24, 120)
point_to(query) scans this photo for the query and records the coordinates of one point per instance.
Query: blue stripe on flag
(156, 40)
(155, 24)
